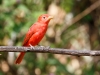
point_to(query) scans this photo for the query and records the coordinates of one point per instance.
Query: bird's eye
(43, 17)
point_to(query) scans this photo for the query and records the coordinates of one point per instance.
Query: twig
(39, 49)
(81, 15)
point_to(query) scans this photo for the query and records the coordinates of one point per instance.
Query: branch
(82, 14)
(42, 49)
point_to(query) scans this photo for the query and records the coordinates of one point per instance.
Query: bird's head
(45, 18)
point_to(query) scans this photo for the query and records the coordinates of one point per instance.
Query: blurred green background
(64, 31)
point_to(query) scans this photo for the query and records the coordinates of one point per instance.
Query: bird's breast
(37, 36)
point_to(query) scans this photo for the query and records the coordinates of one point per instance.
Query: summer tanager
(35, 34)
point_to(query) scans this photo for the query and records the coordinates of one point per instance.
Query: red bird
(35, 34)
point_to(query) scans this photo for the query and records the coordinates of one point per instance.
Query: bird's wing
(29, 34)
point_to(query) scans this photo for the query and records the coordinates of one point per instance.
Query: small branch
(39, 49)
(82, 14)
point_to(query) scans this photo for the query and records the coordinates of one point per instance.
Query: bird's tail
(19, 58)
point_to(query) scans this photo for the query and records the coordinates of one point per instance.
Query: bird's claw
(43, 47)
(32, 47)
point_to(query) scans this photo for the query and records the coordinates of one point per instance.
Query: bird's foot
(44, 47)
(32, 47)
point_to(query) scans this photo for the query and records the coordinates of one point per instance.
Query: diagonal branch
(82, 14)
(42, 49)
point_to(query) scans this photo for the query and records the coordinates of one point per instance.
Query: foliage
(16, 16)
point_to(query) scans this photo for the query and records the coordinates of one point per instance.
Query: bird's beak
(50, 17)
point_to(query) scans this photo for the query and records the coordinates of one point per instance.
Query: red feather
(35, 34)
